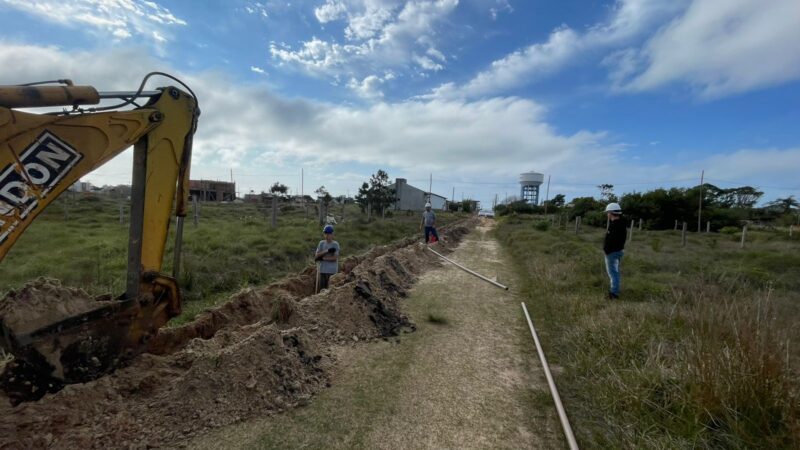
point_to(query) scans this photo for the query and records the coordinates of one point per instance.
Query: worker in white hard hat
(429, 223)
(613, 247)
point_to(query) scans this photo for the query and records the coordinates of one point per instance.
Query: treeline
(660, 208)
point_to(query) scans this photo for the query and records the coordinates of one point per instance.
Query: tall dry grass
(697, 354)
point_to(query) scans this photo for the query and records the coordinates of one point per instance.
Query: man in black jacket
(613, 246)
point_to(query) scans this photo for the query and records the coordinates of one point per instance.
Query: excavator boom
(41, 155)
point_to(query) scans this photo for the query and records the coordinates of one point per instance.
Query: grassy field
(81, 242)
(700, 352)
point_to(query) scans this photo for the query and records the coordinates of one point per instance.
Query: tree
(376, 194)
(607, 193)
(556, 202)
(784, 205)
(279, 189)
(323, 195)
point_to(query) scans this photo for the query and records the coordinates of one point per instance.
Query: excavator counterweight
(57, 340)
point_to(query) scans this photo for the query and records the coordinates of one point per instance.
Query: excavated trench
(263, 351)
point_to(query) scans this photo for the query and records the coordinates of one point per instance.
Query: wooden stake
(630, 238)
(683, 235)
(274, 211)
(744, 234)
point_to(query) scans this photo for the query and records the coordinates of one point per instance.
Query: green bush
(542, 225)
(729, 230)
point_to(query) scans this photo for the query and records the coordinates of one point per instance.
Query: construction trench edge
(265, 350)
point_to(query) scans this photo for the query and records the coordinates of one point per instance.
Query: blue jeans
(429, 231)
(612, 267)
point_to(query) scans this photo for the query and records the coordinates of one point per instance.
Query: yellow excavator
(42, 155)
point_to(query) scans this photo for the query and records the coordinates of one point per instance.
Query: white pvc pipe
(562, 415)
(467, 270)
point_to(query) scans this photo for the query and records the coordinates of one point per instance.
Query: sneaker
(613, 296)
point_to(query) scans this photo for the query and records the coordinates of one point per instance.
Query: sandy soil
(468, 377)
(266, 350)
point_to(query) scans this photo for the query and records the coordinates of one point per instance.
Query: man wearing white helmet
(613, 247)
(429, 222)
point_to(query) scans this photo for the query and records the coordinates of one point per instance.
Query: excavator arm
(41, 155)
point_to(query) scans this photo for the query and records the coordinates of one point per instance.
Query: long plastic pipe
(467, 270)
(562, 415)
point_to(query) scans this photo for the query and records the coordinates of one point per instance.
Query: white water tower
(529, 186)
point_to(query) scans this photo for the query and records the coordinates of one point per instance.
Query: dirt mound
(265, 350)
(42, 302)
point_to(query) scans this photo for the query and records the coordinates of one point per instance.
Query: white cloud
(257, 69)
(628, 19)
(119, 18)
(248, 126)
(257, 8)
(369, 87)
(500, 6)
(721, 48)
(380, 35)
(330, 11)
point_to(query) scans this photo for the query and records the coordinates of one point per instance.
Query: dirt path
(467, 378)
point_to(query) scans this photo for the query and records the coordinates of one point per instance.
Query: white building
(410, 198)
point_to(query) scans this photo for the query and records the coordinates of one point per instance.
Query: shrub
(655, 244)
(729, 230)
(542, 225)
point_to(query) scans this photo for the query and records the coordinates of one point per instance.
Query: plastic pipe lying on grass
(562, 415)
(467, 270)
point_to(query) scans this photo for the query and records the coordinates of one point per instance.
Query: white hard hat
(614, 208)
(428, 205)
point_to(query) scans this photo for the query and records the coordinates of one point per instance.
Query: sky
(640, 94)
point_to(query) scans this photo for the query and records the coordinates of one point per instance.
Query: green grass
(81, 242)
(700, 352)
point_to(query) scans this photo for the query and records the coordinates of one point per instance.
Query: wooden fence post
(196, 210)
(683, 235)
(676, 225)
(121, 214)
(744, 234)
(640, 224)
(630, 239)
(791, 228)
(274, 211)
(577, 219)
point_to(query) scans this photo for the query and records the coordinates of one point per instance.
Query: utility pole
(302, 193)
(700, 209)
(231, 175)
(547, 195)
(430, 187)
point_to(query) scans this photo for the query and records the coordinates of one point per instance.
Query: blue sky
(635, 93)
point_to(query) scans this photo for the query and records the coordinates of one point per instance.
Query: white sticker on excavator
(45, 162)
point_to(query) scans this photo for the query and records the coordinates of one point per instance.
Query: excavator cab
(57, 341)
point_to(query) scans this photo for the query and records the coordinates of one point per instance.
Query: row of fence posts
(555, 220)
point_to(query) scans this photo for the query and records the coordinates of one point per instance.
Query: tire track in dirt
(477, 383)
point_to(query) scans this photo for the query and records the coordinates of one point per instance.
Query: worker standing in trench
(429, 222)
(327, 256)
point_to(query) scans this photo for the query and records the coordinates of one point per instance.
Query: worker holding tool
(327, 257)
(613, 247)
(429, 222)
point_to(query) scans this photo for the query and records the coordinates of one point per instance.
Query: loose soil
(266, 350)
(467, 378)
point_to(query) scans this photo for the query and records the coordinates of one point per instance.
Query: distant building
(410, 198)
(212, 191)
(81, 186)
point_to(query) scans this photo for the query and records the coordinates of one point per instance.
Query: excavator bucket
(60, 336)
(57, 335)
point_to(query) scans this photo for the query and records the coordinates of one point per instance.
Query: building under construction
(212, 191)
